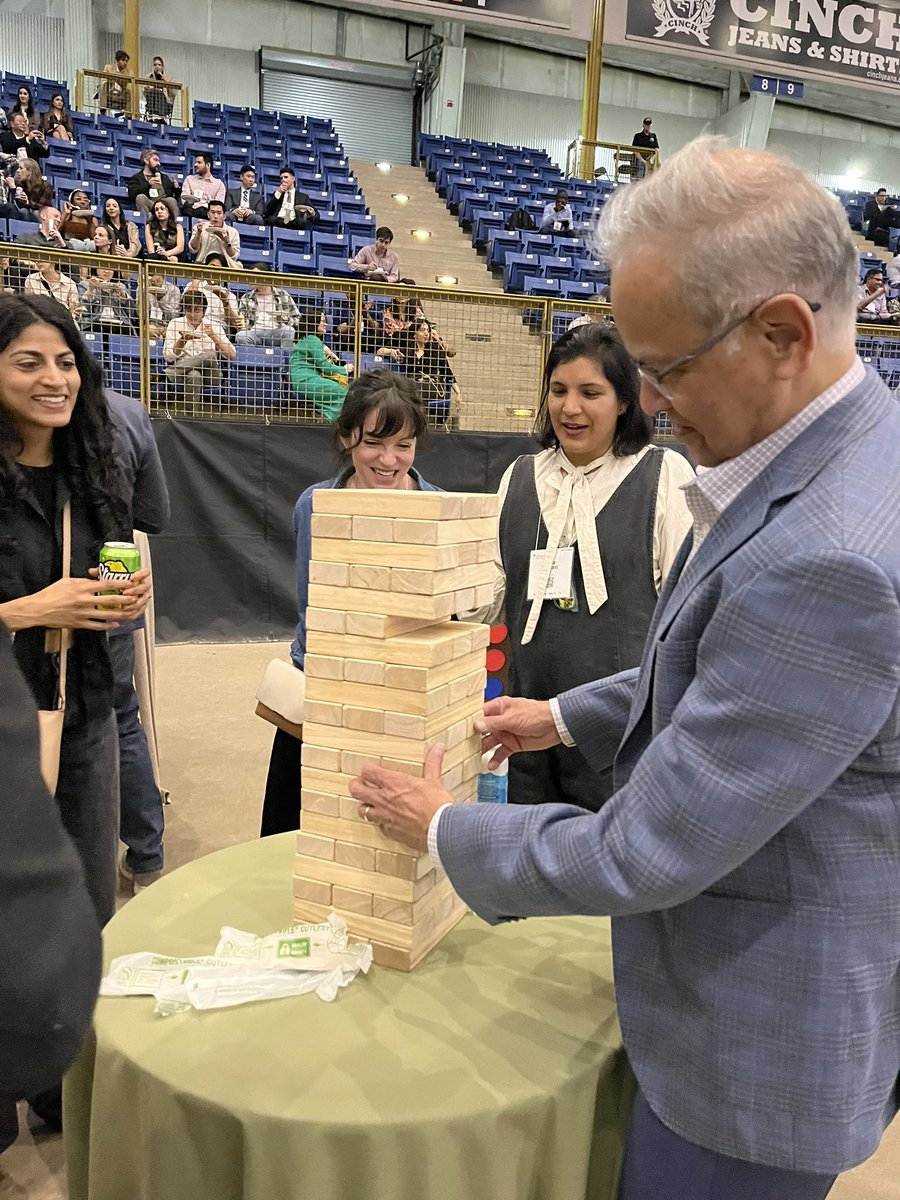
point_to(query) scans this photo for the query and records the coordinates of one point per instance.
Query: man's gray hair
(147, 154)
(738, 226)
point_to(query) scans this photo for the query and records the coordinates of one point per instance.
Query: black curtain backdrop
(224, 569)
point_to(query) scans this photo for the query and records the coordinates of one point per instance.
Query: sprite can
(119, 561)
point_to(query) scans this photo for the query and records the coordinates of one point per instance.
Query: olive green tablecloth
(493, 1072)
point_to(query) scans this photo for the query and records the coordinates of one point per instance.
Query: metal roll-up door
(373, 122)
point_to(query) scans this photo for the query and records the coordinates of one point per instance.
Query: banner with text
(853, 43)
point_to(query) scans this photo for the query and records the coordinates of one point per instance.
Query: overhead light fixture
(400, 197)
(421, 235)
(383, 166)
(446, 280)
(523, 413)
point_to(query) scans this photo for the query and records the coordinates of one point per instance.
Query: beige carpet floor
(214, 755)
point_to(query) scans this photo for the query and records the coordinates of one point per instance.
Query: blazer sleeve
(796, 673)
(49, 937)
(272, 207)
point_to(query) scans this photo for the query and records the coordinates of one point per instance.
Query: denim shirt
(303, 534)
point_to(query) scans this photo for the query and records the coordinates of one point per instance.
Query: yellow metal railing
(133, 96)
(609, 160)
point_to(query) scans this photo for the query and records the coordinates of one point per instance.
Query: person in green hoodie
(317, 375)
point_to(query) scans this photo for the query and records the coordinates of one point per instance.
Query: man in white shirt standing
(750, 853)
(201, 187)
(290, 208)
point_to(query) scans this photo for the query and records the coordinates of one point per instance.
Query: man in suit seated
(19, 137)
(290, 208)
(879, 217)
(750, 854)
(246, 203)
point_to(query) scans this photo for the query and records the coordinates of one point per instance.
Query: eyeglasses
(655, 378)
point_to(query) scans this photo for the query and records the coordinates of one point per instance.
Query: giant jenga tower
(388, 676)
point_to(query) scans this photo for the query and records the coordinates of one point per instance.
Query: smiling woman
(380, 424)
(588, 531)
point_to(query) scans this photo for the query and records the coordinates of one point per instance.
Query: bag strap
(65, 634)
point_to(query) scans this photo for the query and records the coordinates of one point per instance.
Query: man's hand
(402, 806)
(512, 726)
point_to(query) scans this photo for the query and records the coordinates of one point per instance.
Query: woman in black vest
(607, 504)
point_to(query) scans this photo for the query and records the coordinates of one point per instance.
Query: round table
(494, 1071)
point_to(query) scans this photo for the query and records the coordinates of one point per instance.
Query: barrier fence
(235, 344)
(141, 97)
(609, 160)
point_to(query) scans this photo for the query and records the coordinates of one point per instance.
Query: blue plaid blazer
(750, 856)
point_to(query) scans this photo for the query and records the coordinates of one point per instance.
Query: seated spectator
(103, 243)
(221, 303)
(592, 317)
(557, 216)
(290, 208)
(115, 91)
(164, 302)
(25, 105)
(194, 348)
(163, 234)
(879, 217)
(246, 202)
(269, 316)
(159, 100)
(213, 236)
(399, 315)
(20, 137)
(56, 122)
(520, 218)
(108, 305)
(78, 223)
(201, 187)
(47, 231)
(316, 375)
(343, 316)
(150, 184)
(48, 280)
(421, 353)
(871, 299)
(126, 242)
(27, 192)
(378, 261)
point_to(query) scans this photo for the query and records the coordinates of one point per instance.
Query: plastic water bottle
(493, 784)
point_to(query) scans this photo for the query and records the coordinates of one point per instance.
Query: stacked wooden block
(388, 676)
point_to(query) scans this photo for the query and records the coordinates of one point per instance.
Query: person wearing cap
(646, 140)
(557, 216)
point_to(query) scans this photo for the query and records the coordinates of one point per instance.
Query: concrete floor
(214, 756)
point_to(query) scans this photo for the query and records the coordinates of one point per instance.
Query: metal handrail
(629, 162)
(136, 86)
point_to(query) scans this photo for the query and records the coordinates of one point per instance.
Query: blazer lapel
(789, 473)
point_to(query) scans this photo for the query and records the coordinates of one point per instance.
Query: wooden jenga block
(319, 804)
(423, 679)
(378, 932)
(334, 573)
(362, 670)
(320, 666)
(441, 533)
(363, 881)
(352, 764)
(351, 901)
(353, 855)
(373, 502)
(394, 554)
(332, 783)
(319, 713)
(372, 529)
(351, 829)
(375, 745)
(313, 846)
(325, 620)
(404, 866)
(378, 578)
(368, 720)
(434, 583)
(320, 757)
(486, 551)
(484, 595)
(377, 625)
(392, 910)
(436, 725)
(472, 506)
(313, 890)
(389, 604)
(464, 600)
(368, 695)
(466, 685)
(430, 646)
(327, 526)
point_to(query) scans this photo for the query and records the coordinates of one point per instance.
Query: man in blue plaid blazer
(750, 856)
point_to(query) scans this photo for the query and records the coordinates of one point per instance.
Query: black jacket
(274, 206)
(49, 937)
(9, 144)
(138, 186)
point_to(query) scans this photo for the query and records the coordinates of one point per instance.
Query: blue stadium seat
(254, 238)
(572, 289)
(123, 364)
(257, 377)
(333, 266)
(536, 285)
(516, 268)
(295, 261)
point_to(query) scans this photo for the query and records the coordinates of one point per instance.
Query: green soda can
(119, 561)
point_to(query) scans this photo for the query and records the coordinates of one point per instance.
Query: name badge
(154, 192)
(559, 585)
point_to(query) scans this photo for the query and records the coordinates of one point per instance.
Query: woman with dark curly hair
(57, 449)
